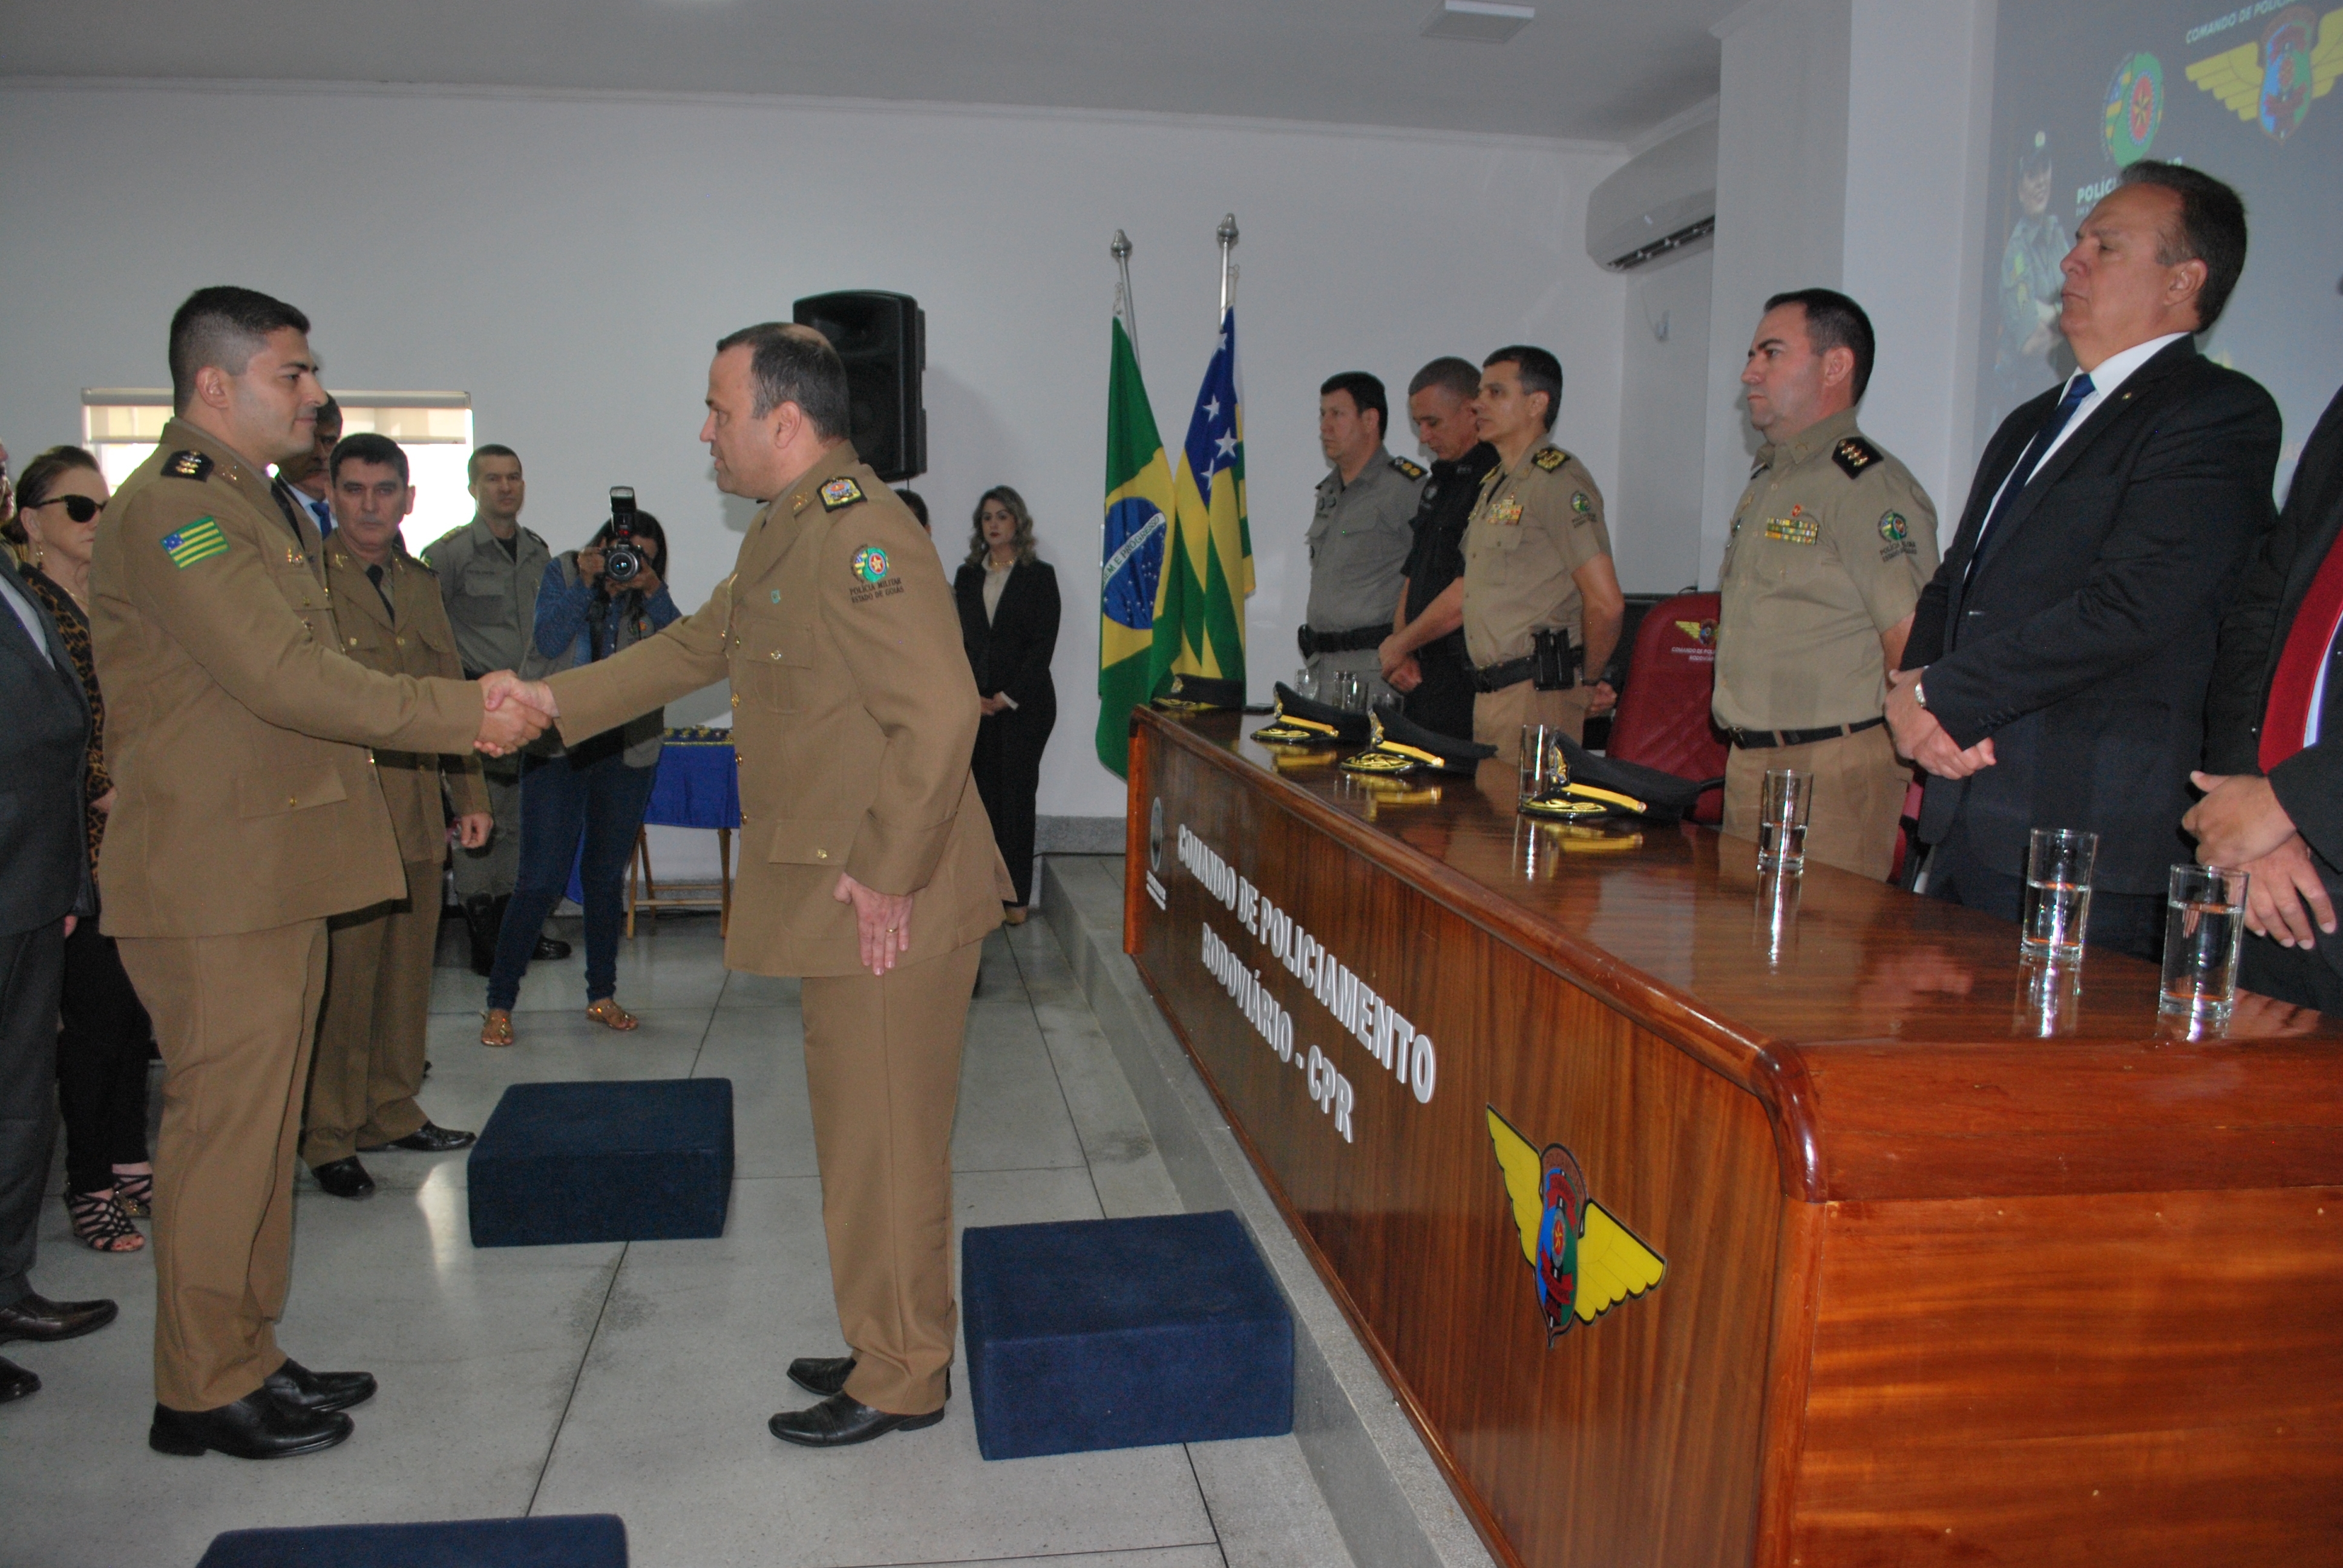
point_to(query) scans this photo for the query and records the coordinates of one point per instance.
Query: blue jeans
(560, 798)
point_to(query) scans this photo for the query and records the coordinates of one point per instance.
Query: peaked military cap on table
(1199, 694)
(1602, 786)
(1397, 744)
(1304, 720)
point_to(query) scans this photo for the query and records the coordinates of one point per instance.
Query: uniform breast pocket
(810, 841)
(771, 662)
(487, 593)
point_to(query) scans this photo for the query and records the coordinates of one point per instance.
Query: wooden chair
(701, 895)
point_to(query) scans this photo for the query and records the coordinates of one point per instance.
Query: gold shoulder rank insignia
(187, 466)
(839, 493)
(1412, 470)
(1854, 455)
(1549, 459)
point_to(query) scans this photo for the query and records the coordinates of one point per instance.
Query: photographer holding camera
(592, 603)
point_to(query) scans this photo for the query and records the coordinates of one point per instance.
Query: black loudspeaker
(883, 338)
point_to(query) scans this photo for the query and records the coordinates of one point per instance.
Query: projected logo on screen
(2135, 108)
(2271, 82)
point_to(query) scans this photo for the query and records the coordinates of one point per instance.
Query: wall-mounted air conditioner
(1661, 205)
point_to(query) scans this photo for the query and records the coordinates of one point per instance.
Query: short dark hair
(792, 364)
(1538, 370)
(648, 531)
(222, 327)
(2212, 230)
(1366, 394)
(1834, 321)
(329, 409)
(40, 478)
(365, 447)
(918, 504)
(472, 463)
(1458, 375)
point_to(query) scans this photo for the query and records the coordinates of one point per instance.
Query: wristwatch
(1920, 695)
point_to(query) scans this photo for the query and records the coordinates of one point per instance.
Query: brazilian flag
(1198, 659)
(1138, 519)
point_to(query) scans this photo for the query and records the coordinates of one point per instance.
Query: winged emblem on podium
(1584, 1259)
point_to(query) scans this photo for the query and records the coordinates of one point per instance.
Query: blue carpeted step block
(555, 1541)
(642, 1160)
(1120, 1334)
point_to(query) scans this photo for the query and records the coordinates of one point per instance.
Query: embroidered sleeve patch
(187, 466)
(1579, 504)
(871, 564)
(1892, 527)
(198, 541)
(841, 493)
(1854, 455)
(1549, 459)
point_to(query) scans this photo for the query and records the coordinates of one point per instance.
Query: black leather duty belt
(1766, 739)
(1552, 662)
(1314, 642)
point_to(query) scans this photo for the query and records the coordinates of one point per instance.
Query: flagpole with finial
(1227, 234)
(1120, 250)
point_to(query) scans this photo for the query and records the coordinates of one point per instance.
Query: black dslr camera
(622, 559)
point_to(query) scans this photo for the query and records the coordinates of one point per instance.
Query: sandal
(610, 1015)
(99, 1220)
(496, 1027)
(134, 1191)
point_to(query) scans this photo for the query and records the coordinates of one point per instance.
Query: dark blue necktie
(324, 516)
(2022, 475)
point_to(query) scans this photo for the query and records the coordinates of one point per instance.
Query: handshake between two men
(513, 712)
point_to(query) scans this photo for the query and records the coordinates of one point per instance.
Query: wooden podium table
(1866, 1244)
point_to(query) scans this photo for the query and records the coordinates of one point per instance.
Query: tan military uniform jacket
(1831, 545)
(491, 597)
(235, 732)
(854, 717)
(414, 639)
(1538, 521)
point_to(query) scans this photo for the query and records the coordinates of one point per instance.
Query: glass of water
(2204, 926)
(2057, 891)
(1305, 683)
(1783, 801)
(1542, 768)
(1350, 691)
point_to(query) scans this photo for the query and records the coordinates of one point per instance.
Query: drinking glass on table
(1305, 683)
(2204, 926)
(1542, 768)
(1784, 802)
(1350, 691)
(2057, 891)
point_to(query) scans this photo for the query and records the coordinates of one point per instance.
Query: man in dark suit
(2056, 670)
(43, 889)
(2274, 738)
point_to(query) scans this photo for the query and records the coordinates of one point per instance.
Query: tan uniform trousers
(369, 1056)
(1859, 787)
(1498, 716)
(882, 1065)
(235, 1016)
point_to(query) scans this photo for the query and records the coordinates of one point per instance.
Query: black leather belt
(1314, 642)
(1766, 739)
(1497, 677)
(1552, 662)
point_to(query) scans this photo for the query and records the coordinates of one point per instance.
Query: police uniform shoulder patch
(1579, 504)
(1549, 459)
(840, 493)
(187, 466)
(1892, 527)
(196, 542)
(1854, 455)
(1412, 470)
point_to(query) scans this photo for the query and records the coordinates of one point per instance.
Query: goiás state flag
(1207, 572)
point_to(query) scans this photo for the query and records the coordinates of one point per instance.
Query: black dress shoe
(841, 1420)
(549, 948)
(16, 1382)
(295, 1387)
(428, 1138)
(826, 1375)
(35, 1317)
(344, 1178)
(254, 1427)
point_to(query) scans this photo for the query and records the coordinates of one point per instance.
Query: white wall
(1655, 511)
(1852, 151)
(570, 261)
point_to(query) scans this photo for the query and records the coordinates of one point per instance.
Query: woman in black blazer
(1009, 624)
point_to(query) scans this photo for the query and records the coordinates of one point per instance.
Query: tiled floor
(636, 1378)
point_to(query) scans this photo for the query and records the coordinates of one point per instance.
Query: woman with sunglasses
(101, 1043)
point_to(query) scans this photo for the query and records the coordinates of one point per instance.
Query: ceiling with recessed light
(1604, 73)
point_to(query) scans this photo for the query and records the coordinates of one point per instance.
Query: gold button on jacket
(852, 694)
(236, 733)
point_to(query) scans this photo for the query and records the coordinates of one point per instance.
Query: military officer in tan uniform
(1542, 602)
(1358, 537)
(369, 1056)
(869, 868)
(246, 812)
(1831, 545)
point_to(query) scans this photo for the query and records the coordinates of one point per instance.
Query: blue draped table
(697, 785)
